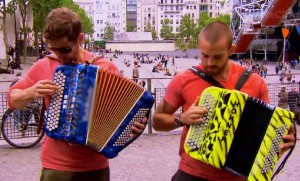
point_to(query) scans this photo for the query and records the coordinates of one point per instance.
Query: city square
(149, 42)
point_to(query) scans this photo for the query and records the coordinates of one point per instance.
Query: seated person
(154, 69)
(168, 73)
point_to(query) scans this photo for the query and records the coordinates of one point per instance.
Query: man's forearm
(163, 122)
(20, 98)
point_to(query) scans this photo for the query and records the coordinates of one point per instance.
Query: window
(187, 7)
(97, 21)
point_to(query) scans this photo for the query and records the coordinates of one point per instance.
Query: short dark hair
(62, 22)
(215, 30)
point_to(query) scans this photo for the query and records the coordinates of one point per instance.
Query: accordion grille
(114, 98)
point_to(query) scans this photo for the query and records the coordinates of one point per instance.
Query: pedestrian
(135, 74)
(61, 160)
(293, 97)
(215, 45)
(283, 99)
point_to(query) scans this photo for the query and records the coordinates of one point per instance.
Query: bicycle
(19, 126)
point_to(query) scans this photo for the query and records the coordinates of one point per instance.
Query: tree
(108, 32)
(186, 32)
(129, 27)
(11, 9)
(3, 12)
(154, 34)
(41, 9)
(148, 28)
(189, 31)
(23, 6)
(166, 30)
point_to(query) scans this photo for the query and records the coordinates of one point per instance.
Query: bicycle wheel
(19, 127)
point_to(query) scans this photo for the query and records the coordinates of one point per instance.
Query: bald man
(215, 47)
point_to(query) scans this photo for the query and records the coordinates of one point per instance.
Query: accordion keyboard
(56, 102)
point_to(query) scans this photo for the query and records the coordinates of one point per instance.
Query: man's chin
(211, 72)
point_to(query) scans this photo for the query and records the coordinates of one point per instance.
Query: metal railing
(158, 93)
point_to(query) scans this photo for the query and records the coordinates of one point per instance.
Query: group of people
(287, 100)
(62, 161)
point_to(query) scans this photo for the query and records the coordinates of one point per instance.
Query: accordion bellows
(96, 108)
(239, 133)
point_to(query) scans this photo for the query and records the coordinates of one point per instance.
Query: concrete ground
(151, 157)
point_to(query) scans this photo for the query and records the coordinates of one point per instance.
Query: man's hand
(289, 141)
(42, 89)
(194, 114)
(138, 127)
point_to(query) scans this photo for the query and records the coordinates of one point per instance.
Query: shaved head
(215, 31)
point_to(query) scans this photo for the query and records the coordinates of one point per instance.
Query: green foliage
(108, 32)
(41, 9)
(129, 27)
(87, 23)
(189, 31)
(166, 30)
(148, 28)
(154, 34)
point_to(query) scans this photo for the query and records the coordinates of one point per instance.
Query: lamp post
(285, 33)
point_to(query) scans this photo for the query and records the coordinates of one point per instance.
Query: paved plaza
(152, 157)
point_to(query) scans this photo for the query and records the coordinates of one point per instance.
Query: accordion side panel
(268, 154)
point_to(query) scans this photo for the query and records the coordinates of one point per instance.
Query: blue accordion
(96, 108)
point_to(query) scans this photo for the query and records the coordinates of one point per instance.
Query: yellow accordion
(239, 133)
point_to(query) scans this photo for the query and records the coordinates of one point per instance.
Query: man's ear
(232, 49)
(80, 38)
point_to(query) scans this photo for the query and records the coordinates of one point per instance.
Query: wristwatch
(177, 121)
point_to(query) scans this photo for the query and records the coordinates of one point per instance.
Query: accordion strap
(244, 77)
(205, 77)
(42, 119)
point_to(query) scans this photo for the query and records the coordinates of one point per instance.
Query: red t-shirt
(183, 90)
(57, 154)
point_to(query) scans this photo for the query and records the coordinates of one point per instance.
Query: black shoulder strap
(205, 77)
(244, 77)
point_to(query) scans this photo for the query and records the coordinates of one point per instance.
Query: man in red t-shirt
(215, 45)
(61, 160)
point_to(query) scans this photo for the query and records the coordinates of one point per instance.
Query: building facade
(135, 15)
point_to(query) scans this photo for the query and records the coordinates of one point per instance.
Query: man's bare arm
(21, 98)
(163, 118)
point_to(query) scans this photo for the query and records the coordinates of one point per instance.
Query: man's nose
(210, 61)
